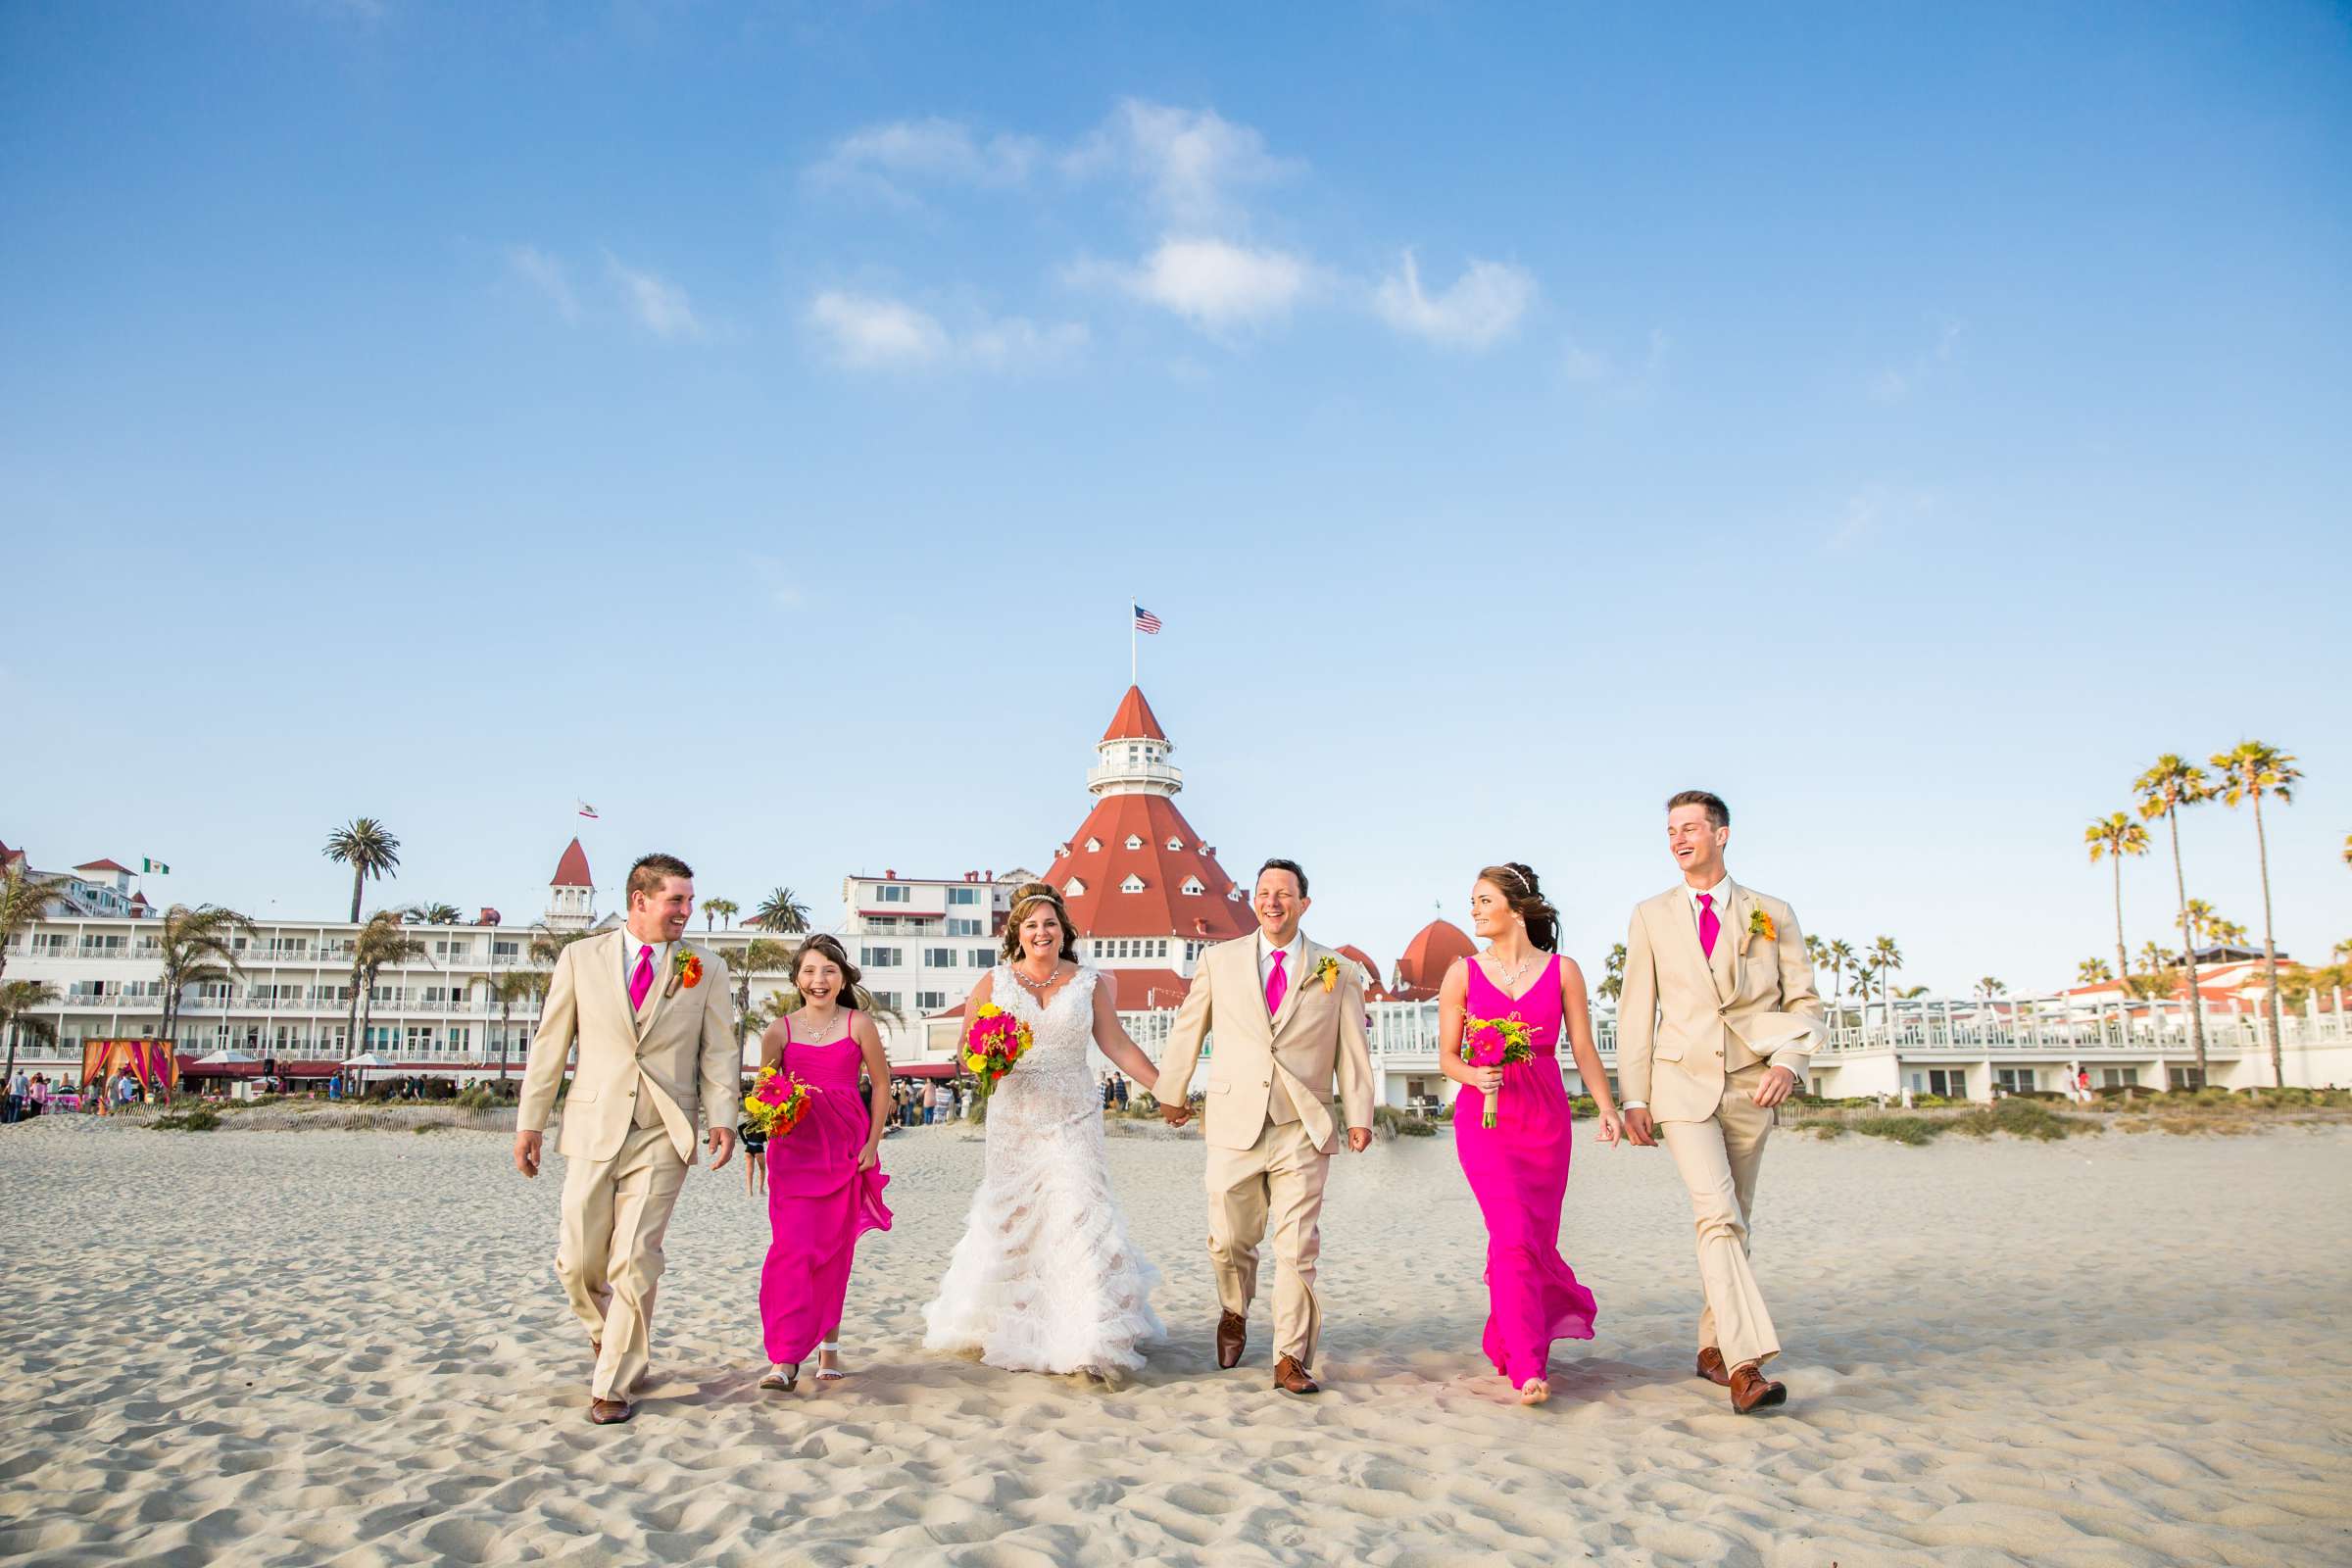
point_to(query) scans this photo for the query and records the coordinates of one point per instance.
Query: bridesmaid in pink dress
(1518, 1168)
(824, 1177)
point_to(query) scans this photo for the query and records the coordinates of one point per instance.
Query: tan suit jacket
(1277, 1069)
(1684, 1022)
(683, 1055)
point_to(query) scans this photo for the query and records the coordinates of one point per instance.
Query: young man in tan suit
(1288, 1015)
(1718, 1016)
(657, 1056)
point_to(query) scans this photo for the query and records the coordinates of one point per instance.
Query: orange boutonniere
(1327, 971)
(686, 969)
(1759, 924)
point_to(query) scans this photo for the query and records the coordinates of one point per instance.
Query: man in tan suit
(657, 1056)
(1288, 1015)
(1718, 1016)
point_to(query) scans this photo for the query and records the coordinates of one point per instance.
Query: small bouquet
(997, 1040)
(1495, 1042)
(776, 1104)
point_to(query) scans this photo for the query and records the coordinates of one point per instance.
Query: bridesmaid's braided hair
(1523, 891)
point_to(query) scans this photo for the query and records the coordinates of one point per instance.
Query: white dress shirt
(630, 946)
(1289, 960)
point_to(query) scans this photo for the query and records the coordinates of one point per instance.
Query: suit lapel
(1741, 903)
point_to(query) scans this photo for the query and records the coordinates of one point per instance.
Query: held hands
(1775, 1086)
(722, 1144)
(1609, 1125)
(526, 1153)
(1175, 1115)
(1639, 1130)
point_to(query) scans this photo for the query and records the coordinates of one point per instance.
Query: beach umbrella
(364, 1060)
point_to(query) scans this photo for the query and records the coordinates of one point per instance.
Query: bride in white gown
(1045, 1279)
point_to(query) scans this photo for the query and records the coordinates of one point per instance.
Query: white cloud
(871, 332)
(1189, 159)
(661, 306)
(1212, 283)
(545, 273)
(1484, 305)
(879, 158)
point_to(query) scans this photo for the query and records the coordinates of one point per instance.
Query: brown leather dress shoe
(1752, 1390)
(1291, 1377)
(1233, 1336)
(609, 1412)
(1711, 1367)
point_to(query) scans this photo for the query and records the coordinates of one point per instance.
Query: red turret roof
(571, 872)
(1162, 908)
(1134, 721)
(1431, 951)
(99, 865)
(1374, 990)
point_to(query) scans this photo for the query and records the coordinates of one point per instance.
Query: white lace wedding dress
(1045, 1279)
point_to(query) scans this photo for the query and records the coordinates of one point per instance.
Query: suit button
(1266, 1084)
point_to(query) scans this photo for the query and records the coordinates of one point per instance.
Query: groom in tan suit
(1718, 1017)
(657, 1056)
(1288, 1015)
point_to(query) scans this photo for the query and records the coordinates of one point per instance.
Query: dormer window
(1234, 897)
(1091, 845)
(1191, 886)
(1133, 884)
(1075, 889)
(1175, 843)
(1133, 843)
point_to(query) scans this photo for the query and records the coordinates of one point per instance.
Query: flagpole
(1133, 680)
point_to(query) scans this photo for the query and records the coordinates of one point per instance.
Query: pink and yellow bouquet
(995, 1041)
(1495, 1042)
(778, 1102)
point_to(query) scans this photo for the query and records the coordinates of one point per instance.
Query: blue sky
(754, 418)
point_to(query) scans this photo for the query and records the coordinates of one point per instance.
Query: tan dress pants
(1718, 1159)
(1277, 1180)
(616, 1212)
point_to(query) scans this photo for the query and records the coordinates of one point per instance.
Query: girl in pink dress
(824, 1177)
(1518, 1168)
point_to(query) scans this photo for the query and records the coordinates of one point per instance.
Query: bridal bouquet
(1495, 1042)
(998, 1040)
(775, 1106)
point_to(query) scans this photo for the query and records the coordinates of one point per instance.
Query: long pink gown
(818, 1202)
(1518, 1170)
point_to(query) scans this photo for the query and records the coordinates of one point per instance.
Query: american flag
(1145, 621)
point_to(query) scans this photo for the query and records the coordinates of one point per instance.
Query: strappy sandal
(829, 1374)
(782, 1379)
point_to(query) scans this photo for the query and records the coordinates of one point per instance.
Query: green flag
(154, 868)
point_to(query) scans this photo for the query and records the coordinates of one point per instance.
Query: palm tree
(548, 945)
(381, 945)
(2203, 918)
(781, 911)
(2093, 971)
(431, 914)
(1990, 988)
(2248, 773)
(24, 901)
(1842, 963)
(507, 990)
(2230, 933)
(369, 848)
(18, 998)
(759, 956)
(1613, 980)
(1887, 958)
(725, 909)
(2114, 837)
(2166, 790)
(198, 947)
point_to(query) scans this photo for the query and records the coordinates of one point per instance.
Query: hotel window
(2015, 1080)
(963, 928)
(891, 1000)
(1175, 843)
(939, 958)
(930, 1001)
(1091, 845)
(1075, 889)
(893, 893)
(505, 950)
(1192, 885)
(880, 957)
(1133, 843)
(459, 1034)
(1133, 884)
(882, 922)
(979, 958)
(963, 894)
(2120, 1077)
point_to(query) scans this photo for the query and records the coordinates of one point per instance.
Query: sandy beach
(347, 1347)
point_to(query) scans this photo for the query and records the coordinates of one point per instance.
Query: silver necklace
(1038, 988)
(1510, 981)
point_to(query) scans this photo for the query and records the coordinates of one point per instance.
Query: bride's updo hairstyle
(1523, 891)
(1025, 899)
(826, 946)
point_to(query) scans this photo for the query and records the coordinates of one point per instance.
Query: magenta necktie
(1709, 929)
(643, 980)
(1277, 986)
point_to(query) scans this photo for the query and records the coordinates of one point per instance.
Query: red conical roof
(1431, 951)
(571, 872)
(1162, 907)
(1374, 989)
(1134, 721)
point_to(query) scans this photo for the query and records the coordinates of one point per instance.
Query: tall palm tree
(548, 945)
(2230, 933)
(2203, 918)
(1613, 980)
(2093, 971)
(507, 990)
(781, 911)
(2113, 836)
(2252, 771)
(18, 998)
(369, 848)
(24, 901)
(1842, 963)
(725, 909)
(381, 945)
(1887, 958)
(2166, 790)
(1990, 988)
(198, 946)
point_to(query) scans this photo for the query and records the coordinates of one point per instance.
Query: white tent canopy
(367, 1060)
(225, 1057)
